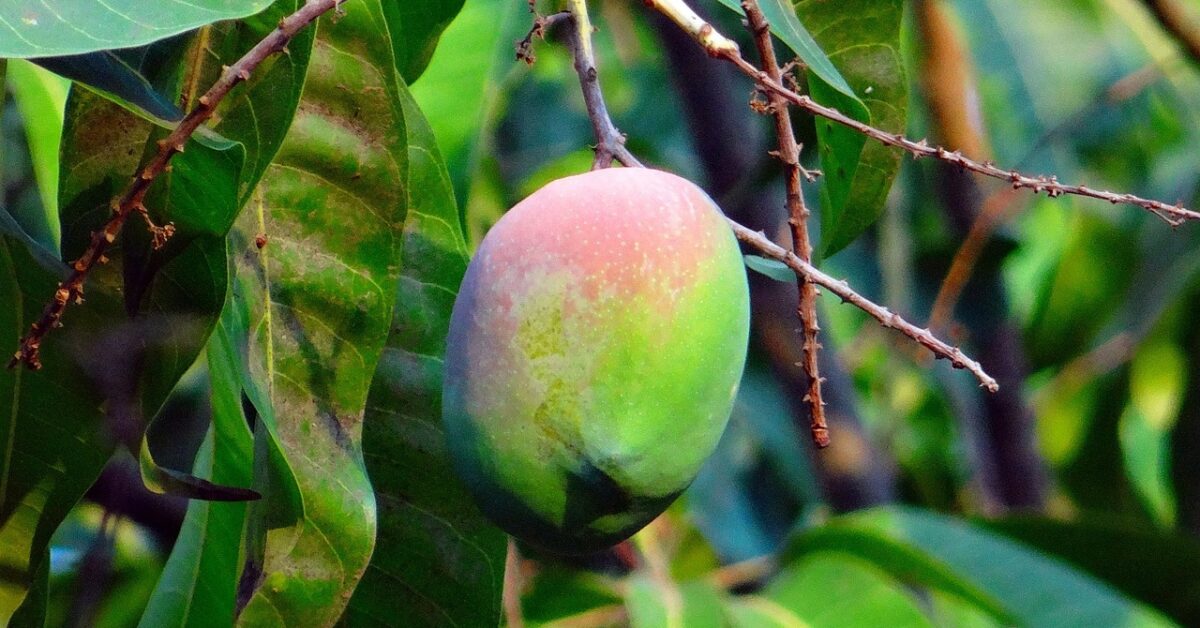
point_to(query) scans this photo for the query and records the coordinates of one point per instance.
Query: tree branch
(704, 33)
(798, 215)
(1173, 17)
(130, 201)
(806, 271)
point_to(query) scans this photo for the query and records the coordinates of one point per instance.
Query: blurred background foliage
(1070, 498)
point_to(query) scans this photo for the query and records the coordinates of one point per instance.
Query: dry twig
(131, 200)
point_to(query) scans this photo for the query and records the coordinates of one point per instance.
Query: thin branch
(798, 215)
(842, 289)
(513, 587)
(702, 32)
(131, 200)
(1173, 17)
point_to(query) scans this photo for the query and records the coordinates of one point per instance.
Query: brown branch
(842, 289)
(131, 200)
(798, 215)
(1173, 17)
(704, 34)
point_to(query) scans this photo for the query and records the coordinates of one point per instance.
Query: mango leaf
(41, 98)
(1157, 383)
(52, 438)
(460, 90)
(803, 594)
(315, 301)
(771, 268)
(437, 561)
(198, 583)
(63, 27)
(1153, 566)
(415, 28)
(787, 27)
(1013, 582)
(862, 37)
(125, 76)
(658, 603)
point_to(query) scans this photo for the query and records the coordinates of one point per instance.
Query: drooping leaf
(654, 602)
(817, 590)
(861, 37)
(126, 76)
(53, 440)
(63, 27)
(415, 28)
(774, 269)
(436, 560)
(41, 98)
(1011, 581)
(199, 581)
(462, 87)
(315, 301)
(1156, 567)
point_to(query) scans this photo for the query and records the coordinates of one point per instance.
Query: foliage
(278, 363)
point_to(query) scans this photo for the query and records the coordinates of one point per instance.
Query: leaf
(121, 76)
(437, 561)
(63, 27)
(166, 481)
(41, 98)
(771, 268)
(415, 28)
(52, 443)
(199, 580)
(312, 306)
(1011, 581)
(1156, 567)
(801, 595)
(461, 89)
(788, 28)
(1157, 382)
(654, 603)
(862, 37)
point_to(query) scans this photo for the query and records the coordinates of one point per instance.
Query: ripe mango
(594, 353)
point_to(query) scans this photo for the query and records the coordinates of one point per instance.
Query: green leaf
(415, 28)
(437, 561)
(460, 91)
(166, 481)
(52, 434)
(772, 268)
(314, 304)
(199, 581)
(801, 595)
(1013, 582)
(1156, 567)
(788, 28)
(41, 98)
(63, 27)
(654, 603)
(121, 76)
(862, 37)
(1157, 382)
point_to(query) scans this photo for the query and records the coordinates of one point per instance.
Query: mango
(594, 354)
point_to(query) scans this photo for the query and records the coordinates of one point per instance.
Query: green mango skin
(594, 354)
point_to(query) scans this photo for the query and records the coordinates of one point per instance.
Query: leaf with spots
(62, 27)
(437, 561)
(316, 257)
(861, 37)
